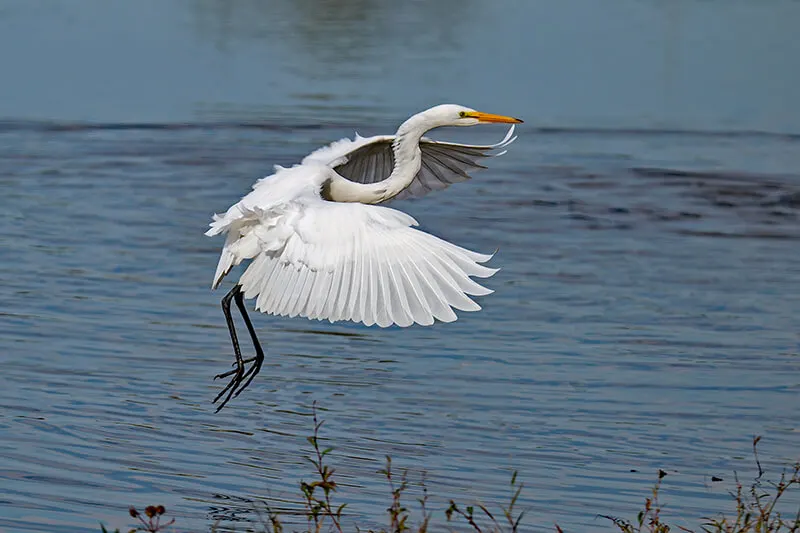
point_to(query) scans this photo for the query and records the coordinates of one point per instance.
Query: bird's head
(458, 115)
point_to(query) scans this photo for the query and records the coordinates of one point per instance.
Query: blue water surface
(646, 222)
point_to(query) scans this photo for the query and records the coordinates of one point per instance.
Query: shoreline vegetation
(755, 510)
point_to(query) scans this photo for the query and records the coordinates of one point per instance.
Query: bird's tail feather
(227, 261)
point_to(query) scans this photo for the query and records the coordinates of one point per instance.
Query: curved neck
(407, 162)
(407, 154)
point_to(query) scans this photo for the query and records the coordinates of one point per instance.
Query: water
(646, 220)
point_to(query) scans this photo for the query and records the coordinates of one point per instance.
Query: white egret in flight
(321, 248)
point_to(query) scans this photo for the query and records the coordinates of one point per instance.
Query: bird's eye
(462, 114)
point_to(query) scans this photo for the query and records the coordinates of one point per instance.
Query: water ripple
(644, 318)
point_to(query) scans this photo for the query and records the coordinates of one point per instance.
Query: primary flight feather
(321, 247)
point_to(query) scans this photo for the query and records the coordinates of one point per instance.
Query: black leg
(259, 358)
(238, 373)
(235, 386)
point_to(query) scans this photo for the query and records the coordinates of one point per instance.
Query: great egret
(321, 249)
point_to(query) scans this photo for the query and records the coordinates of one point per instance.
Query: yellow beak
(488, 117)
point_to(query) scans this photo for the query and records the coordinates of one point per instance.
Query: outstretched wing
(349, 261)
(370, 160)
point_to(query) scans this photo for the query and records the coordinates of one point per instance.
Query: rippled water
(644, 317)
(645, 313)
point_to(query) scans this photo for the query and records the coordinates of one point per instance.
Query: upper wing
(349, 261)
(370, 160)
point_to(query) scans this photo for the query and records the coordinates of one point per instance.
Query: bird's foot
(235, 385)
(235, 370)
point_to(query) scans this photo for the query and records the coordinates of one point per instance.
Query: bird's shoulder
(284, 191)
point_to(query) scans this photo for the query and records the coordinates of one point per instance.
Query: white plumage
(347, 261)
(319, 248)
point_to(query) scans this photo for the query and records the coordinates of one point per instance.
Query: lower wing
(365, 263)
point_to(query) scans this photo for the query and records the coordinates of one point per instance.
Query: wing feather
(439, 300)
(460, 270)
(335, 285)
(425, 293)
(453, 163)
(454, 295)
(302, 293)
(346, 293)
(363, 286)
(392, 286)
(320, 295)
(317, 285)
(431, 175)
(256, 287)
(380, 300)
(357, 287)
(349, 261)
(277, 287)
(283, 301)
(460, 159)
(406, 289)
(374, 289)
(415, 296)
